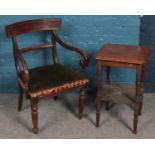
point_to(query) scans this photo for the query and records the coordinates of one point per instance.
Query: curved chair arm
(83, 63)
(25, 69)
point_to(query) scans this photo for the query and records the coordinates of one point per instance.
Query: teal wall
(86, 32)
(147, 38)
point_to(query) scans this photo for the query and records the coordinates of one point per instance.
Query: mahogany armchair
(48, 80)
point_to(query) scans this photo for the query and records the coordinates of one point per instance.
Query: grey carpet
(58, 119)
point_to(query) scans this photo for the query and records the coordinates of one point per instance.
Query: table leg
(138, 97)
(142, 89)
(108, 75)
(107, 82)
(98, 98)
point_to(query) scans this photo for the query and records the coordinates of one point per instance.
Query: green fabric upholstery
(50, 76)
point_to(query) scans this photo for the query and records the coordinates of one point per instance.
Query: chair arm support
(83, 63)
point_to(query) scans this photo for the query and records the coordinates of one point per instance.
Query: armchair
(49, 80)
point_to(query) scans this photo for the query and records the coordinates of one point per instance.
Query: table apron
(117, 64)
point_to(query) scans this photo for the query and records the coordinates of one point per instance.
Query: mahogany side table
(116, 55)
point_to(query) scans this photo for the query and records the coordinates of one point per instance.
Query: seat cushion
(51, 76)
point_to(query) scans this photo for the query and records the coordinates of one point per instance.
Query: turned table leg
(138, 97)
(99, 86)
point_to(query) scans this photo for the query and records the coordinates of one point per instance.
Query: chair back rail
(36, 47)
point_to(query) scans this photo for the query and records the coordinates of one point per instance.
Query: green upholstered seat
(50, 76)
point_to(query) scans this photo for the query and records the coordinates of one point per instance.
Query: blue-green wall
(147, 38)
(86, 32)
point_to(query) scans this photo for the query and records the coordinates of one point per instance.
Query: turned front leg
(138, 98)
(99, 86)
(82, 101)
(34, 110)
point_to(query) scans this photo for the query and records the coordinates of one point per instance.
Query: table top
(123, 53)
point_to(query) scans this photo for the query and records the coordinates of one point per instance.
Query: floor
(58, 119)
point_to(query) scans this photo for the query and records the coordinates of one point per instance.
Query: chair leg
(82, 101)
(20, 98)
(34, 110)
(27, 95)
(107, 106)
(55, 97)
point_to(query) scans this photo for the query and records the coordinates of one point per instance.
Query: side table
(116, 55)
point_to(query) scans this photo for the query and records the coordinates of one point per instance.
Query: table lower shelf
(118, 93)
